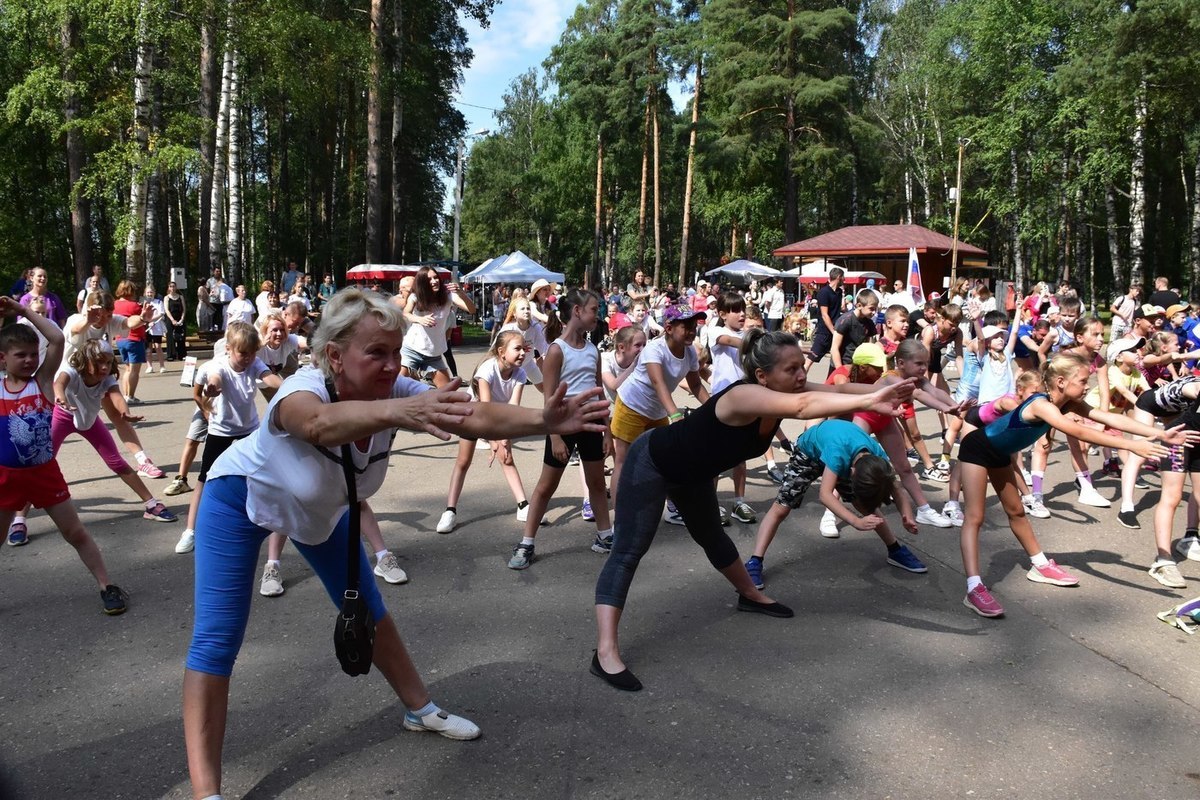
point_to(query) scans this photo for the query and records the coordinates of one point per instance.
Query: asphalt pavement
(883, 685)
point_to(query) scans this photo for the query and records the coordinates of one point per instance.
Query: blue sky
(519, 38)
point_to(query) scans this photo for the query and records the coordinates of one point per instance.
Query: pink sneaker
(149, 470)
(1053, 574)
(980, 601)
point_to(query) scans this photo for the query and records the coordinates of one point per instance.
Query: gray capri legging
(642, 491)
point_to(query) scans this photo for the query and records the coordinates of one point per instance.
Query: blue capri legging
(643, 490)
(227, 545)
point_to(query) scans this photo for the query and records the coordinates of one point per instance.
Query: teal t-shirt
(835, 443)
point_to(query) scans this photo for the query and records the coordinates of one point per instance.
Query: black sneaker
(1129, 520)
(113, 599)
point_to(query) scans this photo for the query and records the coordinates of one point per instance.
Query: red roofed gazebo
(884, 249)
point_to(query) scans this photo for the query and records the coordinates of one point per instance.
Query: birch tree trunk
(1195, 248)
(687, 185)
(1137, 189)
(398, 222)
(209, 70)
(216, 209)
(81, 210)
(233, 250)
(1017, 255)
(375, 233)
(1114, 244)
(135, 241)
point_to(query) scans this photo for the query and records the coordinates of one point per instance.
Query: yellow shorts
(627, 424)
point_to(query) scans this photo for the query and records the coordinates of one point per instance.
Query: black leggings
(642, 491)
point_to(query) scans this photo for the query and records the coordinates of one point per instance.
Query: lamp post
(458, 189)
(962, 145)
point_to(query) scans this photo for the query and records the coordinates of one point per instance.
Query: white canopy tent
(513, 268)
(742, 270)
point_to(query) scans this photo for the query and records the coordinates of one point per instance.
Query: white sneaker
(272, 582)
(1035, 507)
(446, 523)
(954, 514)
(451, 726)
(483, 444)
(931, 517)
(1090, 497)
(672, 515)
(523, 513)
(388, 568)
(187, 542)
(1188, 547)
(1026, 476)
(829, 525)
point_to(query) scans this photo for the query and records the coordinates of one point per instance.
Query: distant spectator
(39, 287)
(773, 304)
(1162, 296)
(290, 276)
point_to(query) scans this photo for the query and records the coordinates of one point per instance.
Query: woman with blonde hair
(351, 401)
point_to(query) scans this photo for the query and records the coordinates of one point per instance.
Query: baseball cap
(679, 312)
(1175, 309)
(869, 354)
(1148, 310)
(1124, 345)
(991, 330)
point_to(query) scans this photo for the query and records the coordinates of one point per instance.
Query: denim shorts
(415, 361)
(131, 352)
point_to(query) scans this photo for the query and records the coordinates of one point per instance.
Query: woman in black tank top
(681, 460)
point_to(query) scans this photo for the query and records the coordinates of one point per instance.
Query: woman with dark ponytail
(681, 460)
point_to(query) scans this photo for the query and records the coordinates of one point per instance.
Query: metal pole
(962, 145)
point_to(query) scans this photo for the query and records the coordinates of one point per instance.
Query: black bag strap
(353, 540)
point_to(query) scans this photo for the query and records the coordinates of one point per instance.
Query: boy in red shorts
(28, 471)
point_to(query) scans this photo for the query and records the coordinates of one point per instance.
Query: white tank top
(579, 366)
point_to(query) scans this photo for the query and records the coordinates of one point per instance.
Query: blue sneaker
(588, 514)
(903, 558)
(672, 515)
(18, 534)
(602, 545)
(159, 513)
(754, 566)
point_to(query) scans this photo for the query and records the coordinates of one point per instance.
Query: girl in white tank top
(574, 361)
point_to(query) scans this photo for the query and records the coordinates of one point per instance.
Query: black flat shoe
(770, 609)
(623, 680)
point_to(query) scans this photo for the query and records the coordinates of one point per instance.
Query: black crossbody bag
(354, 633)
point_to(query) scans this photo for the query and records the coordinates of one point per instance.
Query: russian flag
(914, 278)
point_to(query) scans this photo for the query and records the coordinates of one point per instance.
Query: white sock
(425, 710)
(526, 540)
(925, 507)
(150, 504)
(141, 457)
(1039, 560)
(952, 504)
(737, 500)
(771, 463)
(19, 519)
(1126, 507)
(1085, 479)
(973, 581)
(213, 797)
(380, 554)
(271, 563)
(604, 534)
